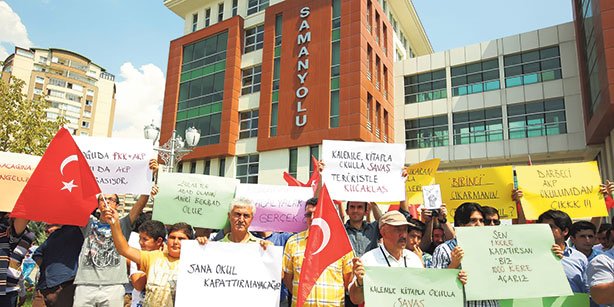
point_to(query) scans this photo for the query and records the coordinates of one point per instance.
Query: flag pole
(106, 205)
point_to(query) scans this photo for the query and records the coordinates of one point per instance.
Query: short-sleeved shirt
(161, 270)
(381, 257)
(99, 261)
(441, 260)
(250, 239)
(329, 289)
(363, 239)
(574, 264)
(601, 270)
(59, 257)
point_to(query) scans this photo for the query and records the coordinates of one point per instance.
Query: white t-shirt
(137, 296)
(381, 257)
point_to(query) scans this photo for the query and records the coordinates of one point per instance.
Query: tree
(24, 127)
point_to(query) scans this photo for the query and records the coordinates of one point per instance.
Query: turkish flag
(326, 243)
(313, 180)
(62, 188)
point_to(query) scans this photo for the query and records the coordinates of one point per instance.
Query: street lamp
(175, 148)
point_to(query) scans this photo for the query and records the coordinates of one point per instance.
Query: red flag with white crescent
(313, 181)
(327, 242)
(62, 188)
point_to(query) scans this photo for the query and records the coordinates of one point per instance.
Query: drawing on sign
(432, 196)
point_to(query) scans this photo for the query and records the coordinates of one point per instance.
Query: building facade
(500, 102)
(595, 31)
(74, 87)
(266, 81)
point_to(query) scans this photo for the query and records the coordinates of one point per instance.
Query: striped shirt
(329, 289)
(12, 251)
(441, 260)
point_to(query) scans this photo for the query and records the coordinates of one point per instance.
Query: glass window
(248, 124)
(251, 80)
(537, 118)
(254, 38)
(222, 170)
(478, 126)
(475, 77)
(235, 7)
(207, 17)
(532, 66)
(425, 86)
(194, 22)
(292, 161)
(207, 169)
(426, 132)
(220, 12)
(254, 6)
(247, 169)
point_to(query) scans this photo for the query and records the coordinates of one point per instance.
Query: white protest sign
(278, 207)
(362, 171)
(121, 166)
(432, 196)
(228, 274)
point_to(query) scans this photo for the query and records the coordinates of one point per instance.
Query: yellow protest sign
(485, 186)
(418, 175)
(570, 187)
(15, 170)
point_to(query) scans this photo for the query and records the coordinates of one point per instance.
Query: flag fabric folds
(326, 243)
(62, 188)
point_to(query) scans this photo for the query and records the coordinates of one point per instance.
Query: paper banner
(15, 170)
(576, 300)
(384, 286)
(121, 166)
(504, 262)
(228, 274)
(418, 175)
(485, 186)
(278, 208)
(362, 171)
(199, 200)
(571, 187)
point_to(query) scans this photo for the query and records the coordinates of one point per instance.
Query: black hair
(581, 225)
(487, 210)
(154, 229)
(416, 225)
(347, 204)
(604, 227)
(183, 227)
(462, 215)
(560, 218)
(312, 201)
(142, 218)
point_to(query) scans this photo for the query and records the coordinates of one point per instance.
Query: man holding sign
(392, 253)
(240, 216)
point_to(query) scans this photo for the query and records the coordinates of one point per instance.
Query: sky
(130, 38)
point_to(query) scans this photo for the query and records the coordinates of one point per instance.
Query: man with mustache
(393, 227)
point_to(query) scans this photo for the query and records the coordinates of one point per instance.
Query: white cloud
(139, 99)
(12, 31)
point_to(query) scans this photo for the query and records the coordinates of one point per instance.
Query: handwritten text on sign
(120, 166)
(419, 175)
(511, 262)
(361, 171)
(15, 170)
(278, 208)
(198, 200)
(570, 187)
(245, 274)
(385, 286)
(485, 186)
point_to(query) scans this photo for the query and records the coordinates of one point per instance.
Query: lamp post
(175, 148)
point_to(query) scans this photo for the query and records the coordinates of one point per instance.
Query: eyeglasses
(493, 221)
(108, 199)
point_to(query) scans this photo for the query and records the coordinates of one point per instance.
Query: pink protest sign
(278, 208)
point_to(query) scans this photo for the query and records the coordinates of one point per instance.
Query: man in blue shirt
(582, 236)
(574, 262)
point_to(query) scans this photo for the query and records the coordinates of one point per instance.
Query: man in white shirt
(393, 227)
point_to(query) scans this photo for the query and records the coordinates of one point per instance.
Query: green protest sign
(199, 200)
(576, 300)
(509, 262)
(384, 286)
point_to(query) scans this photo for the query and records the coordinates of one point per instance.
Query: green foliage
(38, 228)
(24, 127)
